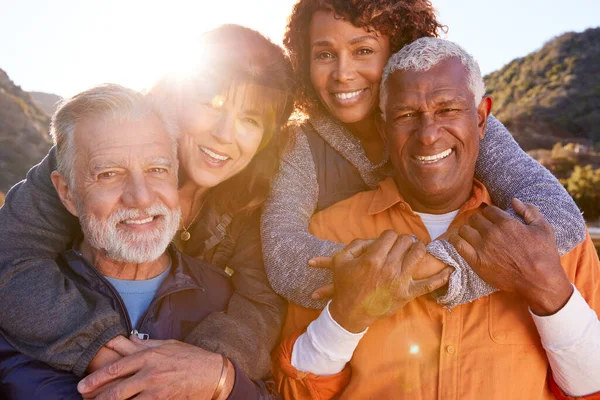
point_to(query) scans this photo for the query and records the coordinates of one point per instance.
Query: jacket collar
(180, 275)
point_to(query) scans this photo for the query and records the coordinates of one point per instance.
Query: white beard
(131, 247)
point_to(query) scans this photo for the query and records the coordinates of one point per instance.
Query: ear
(65, 194)
(483, 112)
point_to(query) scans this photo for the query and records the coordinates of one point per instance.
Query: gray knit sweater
(504, 168)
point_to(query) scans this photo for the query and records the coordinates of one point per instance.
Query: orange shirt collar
(387, 196)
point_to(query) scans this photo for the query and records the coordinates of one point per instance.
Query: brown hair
(402, 20)
(238, 55)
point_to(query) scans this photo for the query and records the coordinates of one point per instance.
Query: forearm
(571, 338)
(44, 314)
(287, 244)
(325, 348)
(508, 172)
(294, 384)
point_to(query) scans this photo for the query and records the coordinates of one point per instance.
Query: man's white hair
(107, 101)
(425, 53)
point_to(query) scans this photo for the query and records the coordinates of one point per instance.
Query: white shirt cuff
(325, 347)
(568, 326)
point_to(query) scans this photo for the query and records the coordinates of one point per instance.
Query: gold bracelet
(222, 379)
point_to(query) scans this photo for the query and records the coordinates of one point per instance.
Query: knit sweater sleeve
(508, 172)
(287, 244)
(44, 314)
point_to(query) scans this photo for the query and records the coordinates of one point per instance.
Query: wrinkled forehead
(122, 139)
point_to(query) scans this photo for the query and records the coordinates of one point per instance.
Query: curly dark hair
(402, 20)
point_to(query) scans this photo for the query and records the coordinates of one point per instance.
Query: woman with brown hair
(230, 117)
(338, 50)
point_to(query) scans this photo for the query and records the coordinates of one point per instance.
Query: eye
(324, 55)
(159, 170)
(107, 175)
(406, 115)
(365, 51)
(252, 121)
(448, 110)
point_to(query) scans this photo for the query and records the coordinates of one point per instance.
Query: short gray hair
(425, 53)
(108, 101)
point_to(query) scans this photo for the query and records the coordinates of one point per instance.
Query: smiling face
(346, 64)
(125, 187)
(433, 128)
(221, 131)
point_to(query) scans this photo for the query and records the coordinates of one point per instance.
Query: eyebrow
(166, 162)
(352, 42)
(100, 166)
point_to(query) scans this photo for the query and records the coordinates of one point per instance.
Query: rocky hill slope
(46, 101)
(24, 138)
(552, 94)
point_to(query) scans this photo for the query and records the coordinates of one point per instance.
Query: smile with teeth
(348, 95)
(138, 221)
(433, 158)
(214, 155)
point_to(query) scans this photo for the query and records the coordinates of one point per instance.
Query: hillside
(553, 94)
(24, 138)
(46, 101)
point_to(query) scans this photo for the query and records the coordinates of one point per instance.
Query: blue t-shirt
(138, 295)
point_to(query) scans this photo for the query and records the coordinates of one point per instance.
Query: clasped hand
(375, 278)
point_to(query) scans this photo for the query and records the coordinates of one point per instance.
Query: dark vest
(338, 179)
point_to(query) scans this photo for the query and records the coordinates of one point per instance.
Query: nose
(138, 193)
(429, 131)
(224, 129)
(344, 69)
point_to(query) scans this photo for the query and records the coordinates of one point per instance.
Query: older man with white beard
(117, 172)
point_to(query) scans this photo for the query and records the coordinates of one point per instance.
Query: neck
(190, 201)
(435, 204)
(123, 270)
(368, 132)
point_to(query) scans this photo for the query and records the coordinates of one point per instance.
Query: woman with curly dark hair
(338, 49)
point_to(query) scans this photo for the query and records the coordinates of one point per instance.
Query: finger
(321, 262)
(480, 223)
(93, 394)
(147, 343)
(399, 250)
(424, 286)
(123, 346)
(118, 369)
(465, 250)
(124, 389)
(495, 214)
(415, 254)
(324, 293)
(530, 213)
(381, 246)
(355, 249)
(471, 236)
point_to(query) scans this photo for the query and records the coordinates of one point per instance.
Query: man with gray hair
(538, 336)
(117, 173)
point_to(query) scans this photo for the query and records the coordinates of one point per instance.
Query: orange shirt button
(450, 350)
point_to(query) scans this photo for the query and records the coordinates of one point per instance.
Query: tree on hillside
(584, 187)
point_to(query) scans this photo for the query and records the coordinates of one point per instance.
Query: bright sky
(65, 46)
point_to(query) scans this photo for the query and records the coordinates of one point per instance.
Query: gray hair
(425, 53)
(108, 101)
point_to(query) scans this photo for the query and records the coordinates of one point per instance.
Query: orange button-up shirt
(487, 349)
